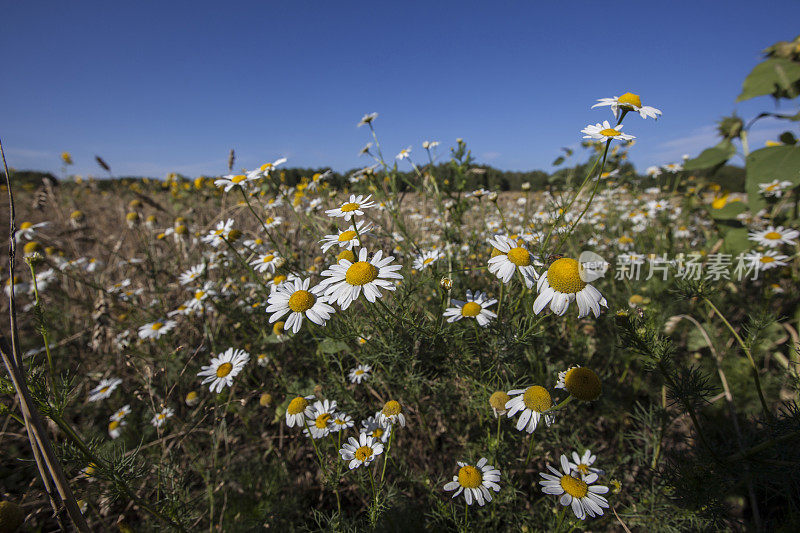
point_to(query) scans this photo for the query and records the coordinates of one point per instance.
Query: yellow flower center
(630, 99)
(469, 477)
(277, 329)
(349, 207)
(392, 408)
(519, 256)
(428, 261)
(224, 369)
(767, 259)
(574, 486)
(537, 399)
(583, 469)
(564, 276)
(346, 254)
(322, 420)
(103, 390)
(113, 425)
(25, 225)
(301, 301)
(277, 280)
(268, 258)
(238, 179)
(359, 372)
(773, 236)
(156, 325)
(347, 235)
(363, 453)
(470, 309)
(377, 433)
(361, 273)
(199, 295)
(625, 240)
(296, 406)
(610, 132)
(498, 400)
(583, 383)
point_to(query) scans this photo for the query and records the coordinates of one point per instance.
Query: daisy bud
(526, 186)
(31, 247)
(135, 203)
(132, 218)
(77, 216)
(498, 401)
(493, 197)
(446, 283)
(265, 400)
(192, 399)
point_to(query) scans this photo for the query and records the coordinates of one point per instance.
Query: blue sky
(157, 87)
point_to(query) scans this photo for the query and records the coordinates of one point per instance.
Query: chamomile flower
(765, 260)
(232, 180)
(223, 368)
(581, 382)
(346, 280)
(161, 417)
(219, 234)
(296, 411)
(498, 401)
(580, 494)
(367, 119)
(155, 330)
(604, 132)
(508, 257)
(348, 238)
(561, 284)
(531, 403)
(295, 298)
(426, 259)
(475, 481)
(354, 207)
(392, 413)
(27, 230)
(404, 154)
(267, 262)
(774, 188)
(341, 421)
(320, 418)
(115, 428)
(774, 237)
(476, 306)
(199, 296)
(104, 389)
(583, 464)
(262, 359)
(373, 427)
(121, 413)
(628, 102)
(360, 373)
(192, 274)
(361, 451)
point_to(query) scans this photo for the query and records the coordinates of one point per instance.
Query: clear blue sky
(155, 87)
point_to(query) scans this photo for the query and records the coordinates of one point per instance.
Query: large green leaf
(728, 212)
(767, 164)
(711, 157)
(773, 75)
(736, 241)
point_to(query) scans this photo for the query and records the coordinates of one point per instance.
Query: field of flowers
(404, 353)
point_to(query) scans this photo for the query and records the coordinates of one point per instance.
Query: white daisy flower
(360, 452)
(580, 494)
(320, 418)
(262, 359)
(296, 411)
(217, 236)
(104, 389)
(392, 413)
(475, 481)
(426, 259)
(765, 260)
(159, 418)
(774, 188)
(531, 403)
(508, 257)
(296, 299)
(155, 330)
(367, 119)
(561, 284)
(120, 414)
(27, 230)
(200, 295)
(115, 428)
(774, 237)
(267, 262)
(341, 421)
(353, 207)
(373, 427)
(348, 238)
(192, 274)
(360, 373)
(583, 464)
(628, 102)
(476, 307)
(223, 368)
(346, 280)
(232, 180)
(604, 132)
(404, 154)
